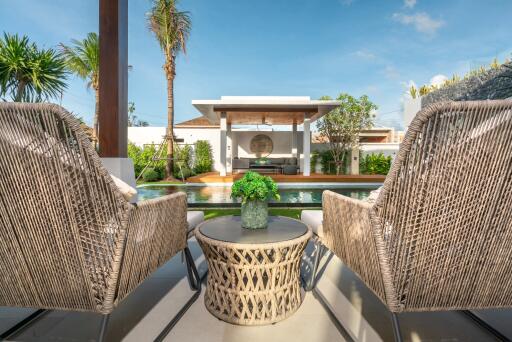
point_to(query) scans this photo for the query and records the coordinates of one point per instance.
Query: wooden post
(113, 78)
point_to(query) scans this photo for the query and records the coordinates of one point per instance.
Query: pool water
(290, 195)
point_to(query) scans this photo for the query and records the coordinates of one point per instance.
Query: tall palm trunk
(20, 92)
(170, 73)
(95, 126)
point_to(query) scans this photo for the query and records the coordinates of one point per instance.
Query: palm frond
(82, 58)
(28, 73)
(170, 26)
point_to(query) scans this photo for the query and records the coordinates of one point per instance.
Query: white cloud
(422, 22)
(409, 3)
(364, 54)
(438, 80)
(391, 73)
(372, 89)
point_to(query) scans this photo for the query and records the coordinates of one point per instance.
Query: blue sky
(284, 47)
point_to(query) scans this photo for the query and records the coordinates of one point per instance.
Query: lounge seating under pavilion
(438, 236)
(70, 241)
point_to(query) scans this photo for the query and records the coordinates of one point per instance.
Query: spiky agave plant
(413, 92)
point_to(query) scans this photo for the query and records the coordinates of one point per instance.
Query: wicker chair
(69, 240)
(439, 235)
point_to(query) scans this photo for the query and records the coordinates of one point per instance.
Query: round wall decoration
(261, 145)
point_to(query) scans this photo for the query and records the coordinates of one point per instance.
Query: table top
(229, 229)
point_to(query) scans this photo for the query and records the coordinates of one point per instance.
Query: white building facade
(284, 121)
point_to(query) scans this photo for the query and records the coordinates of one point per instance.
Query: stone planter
(255, 214)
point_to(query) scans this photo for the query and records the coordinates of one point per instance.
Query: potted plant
(254, 190)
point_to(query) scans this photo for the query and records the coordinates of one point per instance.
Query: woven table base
(253, 284)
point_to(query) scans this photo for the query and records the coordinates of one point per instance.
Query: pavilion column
(234, 145)
(354, 161)
(113, 89)
(306, 149)
(229, 152)
(294, 141)
(223, 143)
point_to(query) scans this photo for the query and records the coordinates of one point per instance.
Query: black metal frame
(396, 327)
(484, 325)
(194, 282)
(24, 323)
(318, 252)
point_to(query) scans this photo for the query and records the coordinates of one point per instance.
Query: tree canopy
(30, 74)
(342, 125)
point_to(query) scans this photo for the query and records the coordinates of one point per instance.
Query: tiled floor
(146, 312)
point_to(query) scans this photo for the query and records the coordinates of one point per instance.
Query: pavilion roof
(254, 110)
(198, 122)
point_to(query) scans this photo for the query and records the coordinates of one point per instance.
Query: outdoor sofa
(438, 235)
(287, 166)
(69, 239)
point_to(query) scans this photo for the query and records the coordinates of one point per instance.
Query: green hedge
(141, 158)
(183, 161)
(327, 162)
(374, 164)
(151, 175)
(313, 161)
(204, 159)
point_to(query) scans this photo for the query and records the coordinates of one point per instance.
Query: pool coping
(238, 205)
(286, 185)
(231, 205)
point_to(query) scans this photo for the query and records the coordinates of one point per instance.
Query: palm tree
(83, 59)
(29, 74)
(172, 29)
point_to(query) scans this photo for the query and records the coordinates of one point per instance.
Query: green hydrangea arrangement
(254, 187)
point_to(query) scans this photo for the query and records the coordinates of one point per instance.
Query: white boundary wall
(282, 141)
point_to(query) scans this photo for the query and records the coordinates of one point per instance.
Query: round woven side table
(253, 275)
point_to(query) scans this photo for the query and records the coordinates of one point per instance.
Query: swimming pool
(292, 195)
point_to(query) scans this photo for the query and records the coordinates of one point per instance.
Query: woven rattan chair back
(61, 217)
(444, 216)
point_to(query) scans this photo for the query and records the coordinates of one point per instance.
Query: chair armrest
(156, 231)
(348, 233)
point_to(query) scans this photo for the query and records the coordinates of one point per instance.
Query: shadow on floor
(140, 317)
(366, 318)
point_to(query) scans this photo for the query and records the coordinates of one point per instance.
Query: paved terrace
(147, 311)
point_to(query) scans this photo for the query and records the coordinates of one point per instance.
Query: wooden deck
(214, 177)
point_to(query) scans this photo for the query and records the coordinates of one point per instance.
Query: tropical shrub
(328, 164)
(313, 161)
(375, 164)
(183, 161)
(141, 157)
(151, 175)
(203, 157)
(254, 187)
